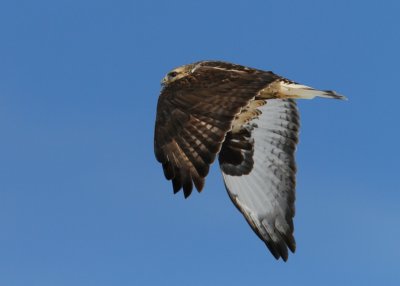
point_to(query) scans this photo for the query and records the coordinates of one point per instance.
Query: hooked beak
(163, 81)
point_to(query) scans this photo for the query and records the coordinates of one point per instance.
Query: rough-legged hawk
(247, 117)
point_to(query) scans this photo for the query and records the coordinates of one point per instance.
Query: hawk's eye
(173, 74)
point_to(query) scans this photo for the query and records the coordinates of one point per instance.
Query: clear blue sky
(83, 200)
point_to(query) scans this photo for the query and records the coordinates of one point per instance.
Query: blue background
(83, 200)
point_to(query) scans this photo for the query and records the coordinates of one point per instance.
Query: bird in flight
(249, 119)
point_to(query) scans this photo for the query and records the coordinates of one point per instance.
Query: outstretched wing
(258, 165)
(194, 114)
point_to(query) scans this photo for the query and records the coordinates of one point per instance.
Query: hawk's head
(178, 73)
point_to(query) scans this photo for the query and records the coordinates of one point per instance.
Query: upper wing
(194, 114)
(258, 165)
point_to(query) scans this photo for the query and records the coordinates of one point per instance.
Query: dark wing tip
(168, 171)
(280, 244)
(187, 188)
(291, 243)
(185, 181)
(280, 249)
(199, 183)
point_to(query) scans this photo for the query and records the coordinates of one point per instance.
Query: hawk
(249, 119)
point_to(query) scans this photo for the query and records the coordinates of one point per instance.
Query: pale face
(177, 73)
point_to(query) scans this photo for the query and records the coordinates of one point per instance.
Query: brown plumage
(248, 117)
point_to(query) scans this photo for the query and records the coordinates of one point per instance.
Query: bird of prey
(249, 119)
